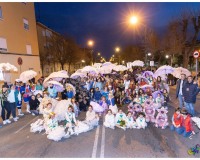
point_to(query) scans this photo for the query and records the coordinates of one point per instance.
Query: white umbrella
(89, 69)
(106, 64)
(180, 70)
(59, 87)
(56, 76)
(163, 70)
(8, 67)
(120, 68)
(97, 65)
(27, 75)
(76, 75)
(138, 63)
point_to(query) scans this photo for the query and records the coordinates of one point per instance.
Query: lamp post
(83, 61)
(117, 50)
(91, 44)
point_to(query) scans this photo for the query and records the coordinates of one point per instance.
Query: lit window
(1, 15)
(26, 25)
(3, 45)
(28, 49)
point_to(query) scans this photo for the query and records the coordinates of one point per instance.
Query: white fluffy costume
(109, 121)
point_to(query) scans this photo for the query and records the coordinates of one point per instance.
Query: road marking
(94, 151)
(25, 125)
(102, 143)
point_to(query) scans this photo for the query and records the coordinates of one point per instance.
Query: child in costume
(26, 90)
(97, 95)
(142, 99)
(120, 120)
(103, 103)
(162, 118)
(46, 112)
(158, 101)
(70, 120)
(149, 110)
(111, 103)
(92, 119)
(109, 120)
(130, 123)
(75, 105)
(19, 104)
(52, 91)
(186, 129)
(177, 120)
(141, 121)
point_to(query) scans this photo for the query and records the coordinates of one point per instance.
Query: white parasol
(180, 70)
(138, 63)
(27, 75)
(59, 87)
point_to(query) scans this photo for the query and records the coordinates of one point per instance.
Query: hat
(5, 85)
(18, 80)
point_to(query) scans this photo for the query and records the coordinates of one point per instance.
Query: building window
(1, 14)
(26, 25)
(3, 45)
(28, 49)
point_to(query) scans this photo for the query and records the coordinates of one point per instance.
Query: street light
(91, 44)
(99, 54)
(133, 20)
(117, 49)
(167, 56)
(83, 61)
(149, 54)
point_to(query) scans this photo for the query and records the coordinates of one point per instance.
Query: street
(18, 142)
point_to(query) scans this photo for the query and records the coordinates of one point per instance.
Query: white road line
(25, 125)
(102, 143)
(94, 151)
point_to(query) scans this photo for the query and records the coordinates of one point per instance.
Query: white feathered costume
(109, 121)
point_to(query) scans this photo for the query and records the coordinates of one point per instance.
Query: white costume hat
(18, 80)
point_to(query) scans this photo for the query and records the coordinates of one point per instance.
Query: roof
(45, 27)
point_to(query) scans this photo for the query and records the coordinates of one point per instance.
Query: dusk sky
(104, 22)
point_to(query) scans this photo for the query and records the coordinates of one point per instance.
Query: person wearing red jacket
(177, 121)
(186, 128)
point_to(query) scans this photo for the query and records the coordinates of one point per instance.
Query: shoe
(4, 122)
(1, 126)
(28, 111)
(15, 119)
(8, 121)
(67, 135)
(21, 114)
(33, 114)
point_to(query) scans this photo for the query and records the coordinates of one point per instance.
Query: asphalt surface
(18, 142)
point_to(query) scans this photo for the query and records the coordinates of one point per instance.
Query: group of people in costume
(127, 100)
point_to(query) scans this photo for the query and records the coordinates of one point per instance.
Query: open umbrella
(59, 87)
(76, 75)
(138, 63)
(155, 94)
(57, 76)
(97, 65)
(106, 64)
(89, 69)
(166, 69)
(27, 75)
(120, 68)
(8, 67)
(141, 77)
(180, 70)
(147, 73)
(71, 86)
(147, 86)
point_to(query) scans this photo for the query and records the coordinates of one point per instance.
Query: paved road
(17, 141)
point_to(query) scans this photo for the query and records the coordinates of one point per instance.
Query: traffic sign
(20, 61)
(196, 54)
(151, 63)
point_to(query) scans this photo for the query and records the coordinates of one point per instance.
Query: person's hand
(193, 132)
(195, 82)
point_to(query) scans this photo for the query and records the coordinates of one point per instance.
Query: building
(18, 38)
(45, 35)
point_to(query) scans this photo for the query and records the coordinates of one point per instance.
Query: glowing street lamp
(133, 20)
(117, 49)
(99, 54)
(167, 56)
(83, 61)
(90, 43)
(149, 54)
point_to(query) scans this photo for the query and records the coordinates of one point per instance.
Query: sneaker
(8, 121)
(33, 114)
(4, 122)
(28, 111)
(21, 114)
(15, 119)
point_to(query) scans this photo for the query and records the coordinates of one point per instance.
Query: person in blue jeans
(186, 129)
(190, 91)
(179, 89)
